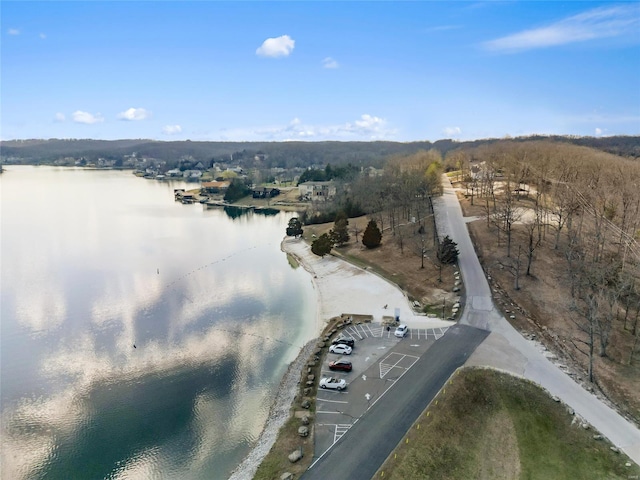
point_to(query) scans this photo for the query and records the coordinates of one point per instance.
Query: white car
(333, 383)
(401, 331)
(343, 349)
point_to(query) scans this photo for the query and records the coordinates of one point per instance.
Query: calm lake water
(140, 338)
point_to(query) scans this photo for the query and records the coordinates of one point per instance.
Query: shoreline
(279, 413)
(280, 410)
(341, 288)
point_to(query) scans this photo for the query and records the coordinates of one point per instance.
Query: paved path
(506, 349)
(358, 454)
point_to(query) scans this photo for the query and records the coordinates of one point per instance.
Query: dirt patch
(499, 457)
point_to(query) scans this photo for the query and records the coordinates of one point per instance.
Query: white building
(317, 191)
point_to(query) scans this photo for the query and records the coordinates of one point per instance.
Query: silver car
(401, 331)
(343, 349)
(333, 383)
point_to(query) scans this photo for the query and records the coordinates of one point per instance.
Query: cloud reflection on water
(36, 424)
(212, 330)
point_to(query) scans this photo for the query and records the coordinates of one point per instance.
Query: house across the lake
(317, 191)
(214, 187)
(265, 192)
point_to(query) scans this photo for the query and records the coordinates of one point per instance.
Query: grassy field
(490, 425)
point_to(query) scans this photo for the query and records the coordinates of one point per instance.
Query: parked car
(344, 365)
(343, 349)
(344, 341)
(401, 331)
(333, 383)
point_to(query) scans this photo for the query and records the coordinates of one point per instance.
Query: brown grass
(542, 307)
(489, 425)
(401, 266)
(499, 456)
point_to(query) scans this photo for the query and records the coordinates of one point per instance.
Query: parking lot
(379, 359)
(376, 330)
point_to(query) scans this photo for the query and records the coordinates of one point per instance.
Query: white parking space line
(387, 367)
(332, 401)
(364, 332)
(375, 332)
(354, 332)
(384, 369)
(333, 392)
(340, 430)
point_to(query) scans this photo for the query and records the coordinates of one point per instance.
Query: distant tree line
(344, 173)
(276, 154)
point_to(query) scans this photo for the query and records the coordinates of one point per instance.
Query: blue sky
(256, 71)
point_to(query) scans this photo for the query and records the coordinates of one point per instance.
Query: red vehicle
(343, 365)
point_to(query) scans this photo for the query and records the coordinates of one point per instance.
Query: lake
(140, 337)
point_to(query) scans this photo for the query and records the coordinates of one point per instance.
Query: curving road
(482, 337)
(506, 349)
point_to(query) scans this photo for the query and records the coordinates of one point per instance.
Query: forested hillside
(274, 154)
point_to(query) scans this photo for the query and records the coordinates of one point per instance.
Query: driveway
(506, 349)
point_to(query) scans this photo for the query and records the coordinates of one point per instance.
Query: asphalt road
(363, 449)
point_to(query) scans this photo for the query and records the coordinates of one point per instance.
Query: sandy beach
(345, 288)
(341, 288)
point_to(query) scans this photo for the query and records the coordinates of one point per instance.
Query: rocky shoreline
(279, 413)
(280, 410)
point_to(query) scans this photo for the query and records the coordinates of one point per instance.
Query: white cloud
(451, 131)
(367, 127)
(276, 47)
(134, 114)
(171, 129)
(60, 117)
(85, 117)
(604, 22)
(598, 131)
(42, 36)
(329, 63)
(369, 123)
(13, 31)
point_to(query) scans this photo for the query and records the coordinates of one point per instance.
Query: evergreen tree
(448, 251)
(295, 228)
(340, 233)
(237, 189)
(322, 245)
(372, 236)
